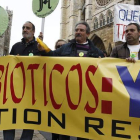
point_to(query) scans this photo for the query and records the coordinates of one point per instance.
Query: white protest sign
(123, 15)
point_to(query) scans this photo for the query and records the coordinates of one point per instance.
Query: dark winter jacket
(69, 49)
(122, 51)
(23, 48)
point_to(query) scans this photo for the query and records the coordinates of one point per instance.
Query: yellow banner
(95, 98)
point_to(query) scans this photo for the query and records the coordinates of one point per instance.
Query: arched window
(102, 20)
(95, 23)
(102, 2)
(109, 17)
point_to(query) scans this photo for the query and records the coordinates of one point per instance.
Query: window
(102, 2)
(95, 23)
(109, 17)
(102, 20)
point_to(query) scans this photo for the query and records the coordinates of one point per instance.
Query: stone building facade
(5, 38)
(97, 13)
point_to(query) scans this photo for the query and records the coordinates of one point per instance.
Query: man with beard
(27, 47)
(81, 46)
(130, 50)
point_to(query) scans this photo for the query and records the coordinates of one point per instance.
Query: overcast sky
(22, 12)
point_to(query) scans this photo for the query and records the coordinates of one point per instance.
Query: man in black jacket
(27, 47)
(81, 46)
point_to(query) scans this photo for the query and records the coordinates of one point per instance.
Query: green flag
(43, 8)
(3, 21)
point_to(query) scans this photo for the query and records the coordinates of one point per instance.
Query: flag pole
(42, 26)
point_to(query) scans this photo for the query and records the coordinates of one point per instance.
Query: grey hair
(84, 23)
(33, 26)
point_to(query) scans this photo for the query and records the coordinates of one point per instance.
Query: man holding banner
(81, 46)
(131, 48)
(27, 47)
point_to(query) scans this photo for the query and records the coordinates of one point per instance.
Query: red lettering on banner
(15, 99)
(123, 31)
(89, 108)
(59, 68)
(93, 90)
(44, 85)
(79, 70)
(33, 67)
(107, 86)
(119, 29)
(119, 26)
(5, 85)
(2, 70)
